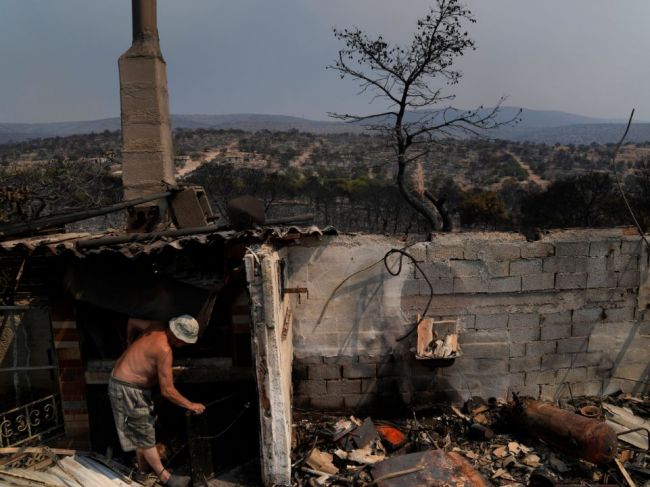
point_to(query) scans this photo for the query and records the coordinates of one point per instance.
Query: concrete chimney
(147, 152)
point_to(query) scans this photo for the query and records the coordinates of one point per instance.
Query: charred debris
(583, 441)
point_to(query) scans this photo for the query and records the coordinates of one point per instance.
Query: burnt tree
(410, 80)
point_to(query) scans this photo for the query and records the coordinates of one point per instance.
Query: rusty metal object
(591, 411)
(575, 435)
(432, 468)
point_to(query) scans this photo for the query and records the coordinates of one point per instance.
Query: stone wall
(566, 314)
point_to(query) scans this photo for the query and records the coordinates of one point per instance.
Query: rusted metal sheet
(432, 468)
(586, 438)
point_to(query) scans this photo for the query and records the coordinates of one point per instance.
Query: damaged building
(560, 317)
(298, 320)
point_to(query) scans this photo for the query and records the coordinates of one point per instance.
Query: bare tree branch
(408, 79)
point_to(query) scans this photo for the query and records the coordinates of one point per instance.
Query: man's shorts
(133, 413)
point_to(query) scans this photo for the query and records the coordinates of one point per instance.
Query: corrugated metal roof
(67, 243)
(74, 471)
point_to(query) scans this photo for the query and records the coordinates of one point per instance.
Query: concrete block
(505, 284)
(540, 377)
(339, 387)
(555, 332)
(599, 372)
(497, 268)
(618, 314)
(631, 247)
(497, 350)
(517, 350)
(517, 379)
(375, 359)
(602, 279)
(490, 322)
(572, 249)
(537, 249)
(565, 280)
(629, 278)
(564, 264)
(606, 296)
(537, 349)
(572, 345)
(587, 315)
(470, 285)
(357, 371)
(524, 364)
(524, 335)
(440, 286)
(340, 360)
(573, 374)
(560, 317)
(414, 287)
(311, 388)
(603, 247)
(434, 270)
(467, 268)
(523, 320)
(591, 359)
(324, 372)
(637, 371)
(435, 251)
(328, 403)
(620, 262)
(503, 251)
(525, 266)
(596, 265)
(538, 282)
(556, 361)
(484, 336)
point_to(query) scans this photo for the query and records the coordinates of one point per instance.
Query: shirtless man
(145, 363)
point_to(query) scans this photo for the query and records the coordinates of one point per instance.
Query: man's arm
(166, 381)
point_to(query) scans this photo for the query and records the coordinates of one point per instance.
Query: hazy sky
(58, 58)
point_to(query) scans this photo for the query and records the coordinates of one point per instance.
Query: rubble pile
(522, 442)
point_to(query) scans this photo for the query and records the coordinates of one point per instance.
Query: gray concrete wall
(533, 317)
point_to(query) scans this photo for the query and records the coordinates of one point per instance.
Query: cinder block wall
(563, 315)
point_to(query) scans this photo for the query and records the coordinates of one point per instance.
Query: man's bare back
(139, 363)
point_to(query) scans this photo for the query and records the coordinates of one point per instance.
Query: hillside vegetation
(346, 180)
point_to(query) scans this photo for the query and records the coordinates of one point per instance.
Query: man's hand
(197, 408)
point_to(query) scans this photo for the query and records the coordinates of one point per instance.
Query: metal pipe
(576, 435)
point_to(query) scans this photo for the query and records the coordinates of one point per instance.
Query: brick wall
(538, 318)
(71, 376)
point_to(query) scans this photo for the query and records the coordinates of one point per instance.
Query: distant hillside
(250, 122)
(536, 126)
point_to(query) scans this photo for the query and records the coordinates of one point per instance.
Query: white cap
(185, 328)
